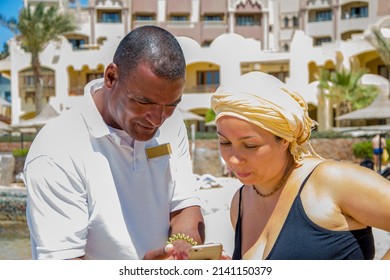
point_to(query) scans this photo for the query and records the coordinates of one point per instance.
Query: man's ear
(111, 75)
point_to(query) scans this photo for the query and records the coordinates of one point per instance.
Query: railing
(201, 88)
(76, 91)
(139, 23)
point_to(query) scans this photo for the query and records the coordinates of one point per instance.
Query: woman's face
(255, 155)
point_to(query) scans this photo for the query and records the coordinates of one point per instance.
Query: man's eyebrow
(147, 100)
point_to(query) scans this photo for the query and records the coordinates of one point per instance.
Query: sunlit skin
(337, 196)
(123, 104)
(249, 151)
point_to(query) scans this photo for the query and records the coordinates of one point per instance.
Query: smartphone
(211, 251)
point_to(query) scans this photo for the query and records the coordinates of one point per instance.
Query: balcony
(139, 23)
(201, 88)
(76, 91)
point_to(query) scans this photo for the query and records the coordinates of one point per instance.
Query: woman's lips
(243, 174)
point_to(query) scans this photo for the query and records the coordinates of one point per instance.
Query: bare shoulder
(336, 174)
(234, 208)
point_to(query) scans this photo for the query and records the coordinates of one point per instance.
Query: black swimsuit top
(301, 239)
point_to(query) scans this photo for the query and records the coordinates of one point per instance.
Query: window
(179, 18)
(323, 15)
(110, 17)
(286, 22)
(94, 76)
(29, 80)
(247, 20)
(26, 85)
(295, 21)
(208, 77)
(382, 71)
(207, 81)
(7, 95)
(144, 17)
(286, 47)
(282, 75)
(76, 43)
(213, 18)
(359, 12)
(319, 41)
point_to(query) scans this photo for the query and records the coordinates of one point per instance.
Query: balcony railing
(180, 24)
(139, 23)
(214, 24)
(76, 91)
(201, 88)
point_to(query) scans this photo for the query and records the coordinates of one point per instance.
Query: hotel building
(221, 39)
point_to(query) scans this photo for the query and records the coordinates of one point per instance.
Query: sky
(8, 9)
(11, 8)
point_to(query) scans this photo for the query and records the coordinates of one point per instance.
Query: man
(112, 178)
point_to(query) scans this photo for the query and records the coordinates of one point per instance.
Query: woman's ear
(285, 143)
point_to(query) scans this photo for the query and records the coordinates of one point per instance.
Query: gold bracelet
(181, 236)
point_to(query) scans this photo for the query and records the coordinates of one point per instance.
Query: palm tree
(381, 45)
(36, 27)
(344, 89)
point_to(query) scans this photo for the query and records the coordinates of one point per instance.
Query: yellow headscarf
(265, 101)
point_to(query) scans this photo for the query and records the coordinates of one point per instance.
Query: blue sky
(8, 9)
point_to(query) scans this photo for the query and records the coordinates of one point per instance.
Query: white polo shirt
(90, 193)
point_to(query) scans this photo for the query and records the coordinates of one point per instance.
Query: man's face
(141, 103)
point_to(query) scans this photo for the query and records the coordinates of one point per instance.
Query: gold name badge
(158, 151)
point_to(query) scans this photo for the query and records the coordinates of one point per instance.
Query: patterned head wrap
(265, 101)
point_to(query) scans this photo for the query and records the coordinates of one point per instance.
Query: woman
(293, 204)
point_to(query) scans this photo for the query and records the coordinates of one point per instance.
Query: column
(336, 21)
(231, 21)
(92, 25)
(125, 16)
(265, 44)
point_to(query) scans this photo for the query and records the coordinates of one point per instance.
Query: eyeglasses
(146, 105)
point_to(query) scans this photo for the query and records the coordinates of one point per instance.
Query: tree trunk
(36, 66)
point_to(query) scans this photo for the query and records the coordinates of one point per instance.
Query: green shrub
(362, 150)
(19, 152)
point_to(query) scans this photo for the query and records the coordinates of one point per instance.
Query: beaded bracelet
(181, 236)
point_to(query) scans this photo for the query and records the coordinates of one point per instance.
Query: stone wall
(207, 157)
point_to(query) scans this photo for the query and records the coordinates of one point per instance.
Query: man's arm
(188, 221)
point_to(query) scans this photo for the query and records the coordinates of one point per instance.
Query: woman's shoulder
(332, 175)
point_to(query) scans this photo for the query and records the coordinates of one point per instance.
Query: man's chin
(144, 136)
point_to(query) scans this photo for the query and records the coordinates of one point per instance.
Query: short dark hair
(153, 46)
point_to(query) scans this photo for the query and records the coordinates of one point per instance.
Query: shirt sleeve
(57, 209)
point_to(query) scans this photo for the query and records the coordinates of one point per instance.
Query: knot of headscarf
(265, 101)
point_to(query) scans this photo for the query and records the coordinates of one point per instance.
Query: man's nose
(156, 115)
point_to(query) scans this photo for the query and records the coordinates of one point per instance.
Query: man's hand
(164, 253)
